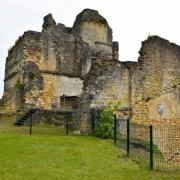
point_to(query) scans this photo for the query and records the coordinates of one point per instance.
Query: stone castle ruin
(80, 64)
(77, 69)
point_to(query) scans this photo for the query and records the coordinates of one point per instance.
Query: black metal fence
(154, 147)
(135, 139)
(63, 126)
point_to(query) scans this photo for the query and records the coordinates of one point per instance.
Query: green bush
(106, 120)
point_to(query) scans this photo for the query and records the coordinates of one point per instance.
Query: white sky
(131, 21)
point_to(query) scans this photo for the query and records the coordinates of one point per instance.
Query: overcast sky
(131, 21)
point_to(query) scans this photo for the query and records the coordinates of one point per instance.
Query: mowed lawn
(57, 156)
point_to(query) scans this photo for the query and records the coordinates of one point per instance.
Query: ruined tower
(44, 66)
(77, 69)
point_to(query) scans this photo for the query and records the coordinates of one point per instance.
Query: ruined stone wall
(36, 63)
(82, 61)
(53, 50)
(39, 86)
(157, 82)
(167, 137)
(107, 81)
(42, 66)
(62, 56)
(13, 76)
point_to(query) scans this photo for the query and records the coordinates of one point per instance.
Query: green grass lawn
(52, 155)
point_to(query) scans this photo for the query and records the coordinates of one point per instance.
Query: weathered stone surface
(42, 64)
(157, 81)
(82, 62)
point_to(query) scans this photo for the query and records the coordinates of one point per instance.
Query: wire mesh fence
(122, 133)
(154, 147)
(63, 126)
(134, 138)
(140, 144)
(166, 147)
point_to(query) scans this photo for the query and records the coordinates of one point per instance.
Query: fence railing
(46, 123)
(31, 126)
(154, 147)
(46, 128)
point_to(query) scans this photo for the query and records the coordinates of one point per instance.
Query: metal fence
(32, 127)
(135, 139)
(166, 147)
(63, 128)
(154, 147)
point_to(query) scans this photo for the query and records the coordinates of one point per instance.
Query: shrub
(106, 120)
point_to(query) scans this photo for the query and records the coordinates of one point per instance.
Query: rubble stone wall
(83, 61)
(157, 81)
(12, 75)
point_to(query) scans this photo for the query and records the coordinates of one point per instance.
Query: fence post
(128, 136)
(115, 128)
(151, 147)
(30, 127)
(93, 122)
(67, 126)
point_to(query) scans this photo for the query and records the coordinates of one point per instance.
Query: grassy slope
(65, 157)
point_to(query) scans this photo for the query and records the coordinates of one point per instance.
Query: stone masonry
(43, 66)
(78, 69)
(83, 61)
